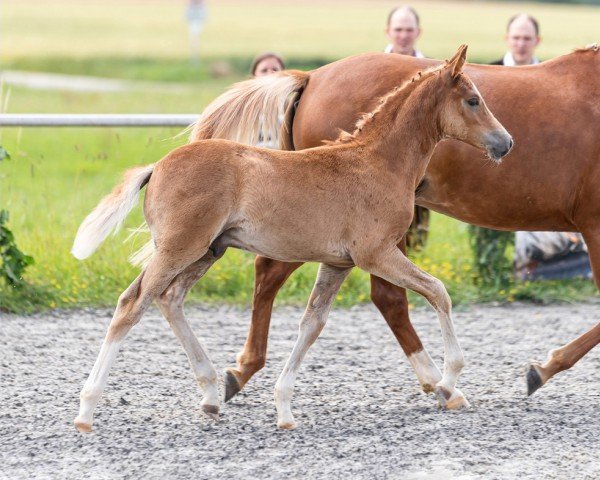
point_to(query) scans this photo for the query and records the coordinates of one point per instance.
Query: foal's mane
(367, 118)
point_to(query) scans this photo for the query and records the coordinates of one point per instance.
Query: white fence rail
(96, 120)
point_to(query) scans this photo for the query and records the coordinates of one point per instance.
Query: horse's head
(464, 114)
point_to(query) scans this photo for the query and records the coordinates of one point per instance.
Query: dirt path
(360, 411)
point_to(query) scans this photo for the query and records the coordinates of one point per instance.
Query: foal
(342, 205)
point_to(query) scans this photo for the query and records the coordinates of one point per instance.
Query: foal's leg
(565, 357)
(394, 267)
(329, 280)
(170, 304)
(130, 308)
(393, 305)
(270, 275)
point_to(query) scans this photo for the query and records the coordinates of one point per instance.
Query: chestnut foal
(343, 205)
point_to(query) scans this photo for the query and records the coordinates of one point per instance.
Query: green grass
(148, 40)
(56, 176)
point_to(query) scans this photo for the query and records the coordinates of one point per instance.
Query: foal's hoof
(212, 411)
(232, 386)
(287, 424)
(533, 377)
(82, 427)
(451, 401)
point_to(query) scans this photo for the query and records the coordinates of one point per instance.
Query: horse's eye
(473, 101)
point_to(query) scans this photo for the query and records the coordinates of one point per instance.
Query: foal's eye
(473, 101)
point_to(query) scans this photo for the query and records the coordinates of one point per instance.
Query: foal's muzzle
(498, 144)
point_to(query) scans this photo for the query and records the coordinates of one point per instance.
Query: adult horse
(550, 181)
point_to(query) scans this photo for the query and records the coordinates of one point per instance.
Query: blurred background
(158, 56)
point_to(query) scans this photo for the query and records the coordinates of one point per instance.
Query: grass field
(56, 176)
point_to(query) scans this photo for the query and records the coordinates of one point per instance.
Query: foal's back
(260, 200)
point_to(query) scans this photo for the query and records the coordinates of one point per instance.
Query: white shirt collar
(390, 48)
(509, 60)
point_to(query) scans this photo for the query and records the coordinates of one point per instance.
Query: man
(540, 255)
(522, 37)
(403, 30)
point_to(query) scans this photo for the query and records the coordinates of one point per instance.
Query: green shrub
(13, 261)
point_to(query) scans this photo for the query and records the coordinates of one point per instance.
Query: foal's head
(465, 116)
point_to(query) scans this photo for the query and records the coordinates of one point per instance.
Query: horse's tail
(110, 212)
(249, 109)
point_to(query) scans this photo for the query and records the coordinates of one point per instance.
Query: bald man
(403, 30)
(522, 37)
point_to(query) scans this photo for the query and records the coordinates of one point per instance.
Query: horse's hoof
(451, 401)
(212, 411)
(442, 395)
(534, 379)
(287, 425)
(457, 401)
(232, 386)
(82, 427)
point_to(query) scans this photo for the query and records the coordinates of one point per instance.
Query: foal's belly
(288, 247)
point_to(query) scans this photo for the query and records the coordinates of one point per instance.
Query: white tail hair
(110, 212)
(249, 109)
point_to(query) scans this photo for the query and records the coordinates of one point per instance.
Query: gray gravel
(358, 405)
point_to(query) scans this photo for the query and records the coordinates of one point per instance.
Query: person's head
(266, 64)
(522, 36)
(403, 29)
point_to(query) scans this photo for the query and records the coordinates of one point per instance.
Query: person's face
(403, 32)
(521, 41)
(267, 67)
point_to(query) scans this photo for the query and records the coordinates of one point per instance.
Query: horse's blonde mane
(367, 118)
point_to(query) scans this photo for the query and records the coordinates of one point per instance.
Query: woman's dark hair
(264, 56)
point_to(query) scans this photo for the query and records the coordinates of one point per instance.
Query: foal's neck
(404, 130)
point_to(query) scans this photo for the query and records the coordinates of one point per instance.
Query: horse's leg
(394, 267)
(393, 305)
(565, 357)
(270, 275)
(328, 283)
(134, 301)
(170, 303)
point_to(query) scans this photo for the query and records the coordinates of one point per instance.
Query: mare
(343, 205)
(552, 108)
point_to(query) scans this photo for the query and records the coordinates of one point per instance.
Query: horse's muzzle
(498, 144)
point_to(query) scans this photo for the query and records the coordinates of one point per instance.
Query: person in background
(195, 15)
(540, 255)
(266, 64)
(522, 37)
(403, 30)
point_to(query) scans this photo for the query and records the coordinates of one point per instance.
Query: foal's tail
(110, 212)
(249, 109)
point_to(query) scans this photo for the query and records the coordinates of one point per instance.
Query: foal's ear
(458, 60)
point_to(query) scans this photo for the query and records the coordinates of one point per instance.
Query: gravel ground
(358, 405)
